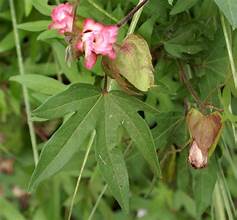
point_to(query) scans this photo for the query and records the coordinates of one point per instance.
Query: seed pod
(205, 132)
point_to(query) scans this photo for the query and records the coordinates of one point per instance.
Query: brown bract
(205, 132)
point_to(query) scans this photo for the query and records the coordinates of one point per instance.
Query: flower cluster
(94, 39)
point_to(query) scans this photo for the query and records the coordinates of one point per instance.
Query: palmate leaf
(229, 8)
(182, 5)
(214, 68)
(106, 113)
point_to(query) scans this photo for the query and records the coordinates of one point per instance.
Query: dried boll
(205, 132)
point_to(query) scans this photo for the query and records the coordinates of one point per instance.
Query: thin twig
(76, 4)
(25, 92)
(189, 85)
(98, 202)
(81, 171)
(135, 13)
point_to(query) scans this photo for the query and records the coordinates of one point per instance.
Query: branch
(132, 13)
(189, 85)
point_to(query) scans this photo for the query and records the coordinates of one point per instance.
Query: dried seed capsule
(205, 131)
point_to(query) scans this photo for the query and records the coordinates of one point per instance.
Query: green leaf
(203, 185)
(72, 99)
(28, 7)
(5, 15)
(9, 211)
(181, 199)
(70, 71)
(171, 2)
(42, 6)
(182, 5)
(138, 130)
(39, 83)
(7, 42)
(113, 168)
(176, 49)
(34, 26)
(226, 101)
(146, 29)
(49, 34)
(106, 113)
(65, 142)
(167, 124)
(133, 62)
(229, 8)
(213, 68)
(47, 69)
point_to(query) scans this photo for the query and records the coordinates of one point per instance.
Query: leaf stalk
(135, 14)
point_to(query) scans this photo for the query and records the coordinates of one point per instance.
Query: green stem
(135, 19)
(81, 171)
(229, 49)
(25, 92)
(98, 202)
(103, 11)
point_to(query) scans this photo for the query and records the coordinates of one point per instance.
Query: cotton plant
(100, 117)
(104, 111)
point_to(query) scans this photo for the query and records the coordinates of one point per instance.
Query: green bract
(133, 62)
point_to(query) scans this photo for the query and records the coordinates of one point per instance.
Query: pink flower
(97, 39)
(62, 17)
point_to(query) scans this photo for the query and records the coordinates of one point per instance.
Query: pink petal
(91, 25)
(90, 60)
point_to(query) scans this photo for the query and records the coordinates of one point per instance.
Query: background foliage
(192, 42)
